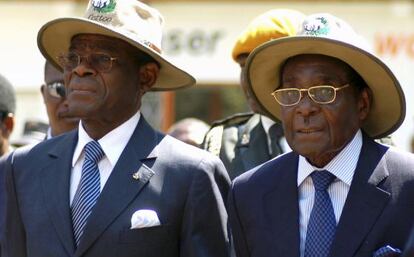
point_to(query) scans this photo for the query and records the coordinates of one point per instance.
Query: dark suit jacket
(379, 209)
(183, 184)
(409, 247)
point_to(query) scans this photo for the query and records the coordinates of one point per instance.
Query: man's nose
(306, 105)
(84, 68)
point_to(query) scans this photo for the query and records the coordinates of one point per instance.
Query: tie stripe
(88, 190)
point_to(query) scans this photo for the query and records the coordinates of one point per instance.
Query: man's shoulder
(400, 159)
(172, 148)
(266, 172)
(33, 152)
(233, 120)
(184, 159)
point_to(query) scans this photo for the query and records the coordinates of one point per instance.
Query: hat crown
(132, 18)
(328, 26)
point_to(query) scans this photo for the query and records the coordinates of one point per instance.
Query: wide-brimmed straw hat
(328, 35)
(129, 20)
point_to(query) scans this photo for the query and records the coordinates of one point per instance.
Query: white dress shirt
(343, 167)
(112, 145)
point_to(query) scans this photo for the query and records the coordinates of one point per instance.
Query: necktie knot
(322, 179)
(93, 151)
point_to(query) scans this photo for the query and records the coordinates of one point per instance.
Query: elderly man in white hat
(338, 193)
(115, 186)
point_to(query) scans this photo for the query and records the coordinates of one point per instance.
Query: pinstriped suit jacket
(184, 185)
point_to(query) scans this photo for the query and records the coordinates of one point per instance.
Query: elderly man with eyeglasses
(115, 186)
(338, 193)
(54, 98)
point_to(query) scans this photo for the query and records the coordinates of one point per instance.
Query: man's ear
(364, 103)
(148, 74)
(8, 125)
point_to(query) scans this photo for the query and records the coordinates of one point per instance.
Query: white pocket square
(144, 219)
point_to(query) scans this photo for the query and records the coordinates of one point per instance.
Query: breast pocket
(155, 241)
(158, 234)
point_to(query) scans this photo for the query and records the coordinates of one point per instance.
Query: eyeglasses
(56, 89)
(101, 62)
(324, 94)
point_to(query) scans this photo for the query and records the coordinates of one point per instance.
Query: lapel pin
(136, 176)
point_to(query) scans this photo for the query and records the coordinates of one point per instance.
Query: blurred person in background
(54, 97)
(338, 193)
(7, 110)
(189, 130)
(34, 131)
(245, 140)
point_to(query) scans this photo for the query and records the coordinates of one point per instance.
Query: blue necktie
(88, 190)
(322, 223)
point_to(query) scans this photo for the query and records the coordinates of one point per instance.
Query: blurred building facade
(199, 36)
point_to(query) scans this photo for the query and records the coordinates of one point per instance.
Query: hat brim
(388, 104)
(55, 36)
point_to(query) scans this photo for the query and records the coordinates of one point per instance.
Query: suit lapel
(365, 201)
(252, 145)
(127, 179)
(55, 183)
(282, 208)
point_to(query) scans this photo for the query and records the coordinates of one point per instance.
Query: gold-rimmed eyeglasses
(323, 94)
(101, 62)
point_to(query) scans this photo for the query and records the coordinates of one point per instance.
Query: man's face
(55, 103)
(320, 131)
(103, 97)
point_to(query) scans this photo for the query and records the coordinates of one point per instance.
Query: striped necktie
(88, 190)
(322, 223)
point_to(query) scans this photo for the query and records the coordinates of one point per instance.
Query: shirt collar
(342, 166)
(49, 133)
(112, 143)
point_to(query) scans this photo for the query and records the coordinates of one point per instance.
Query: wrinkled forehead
(97, 42)
(321, 65)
